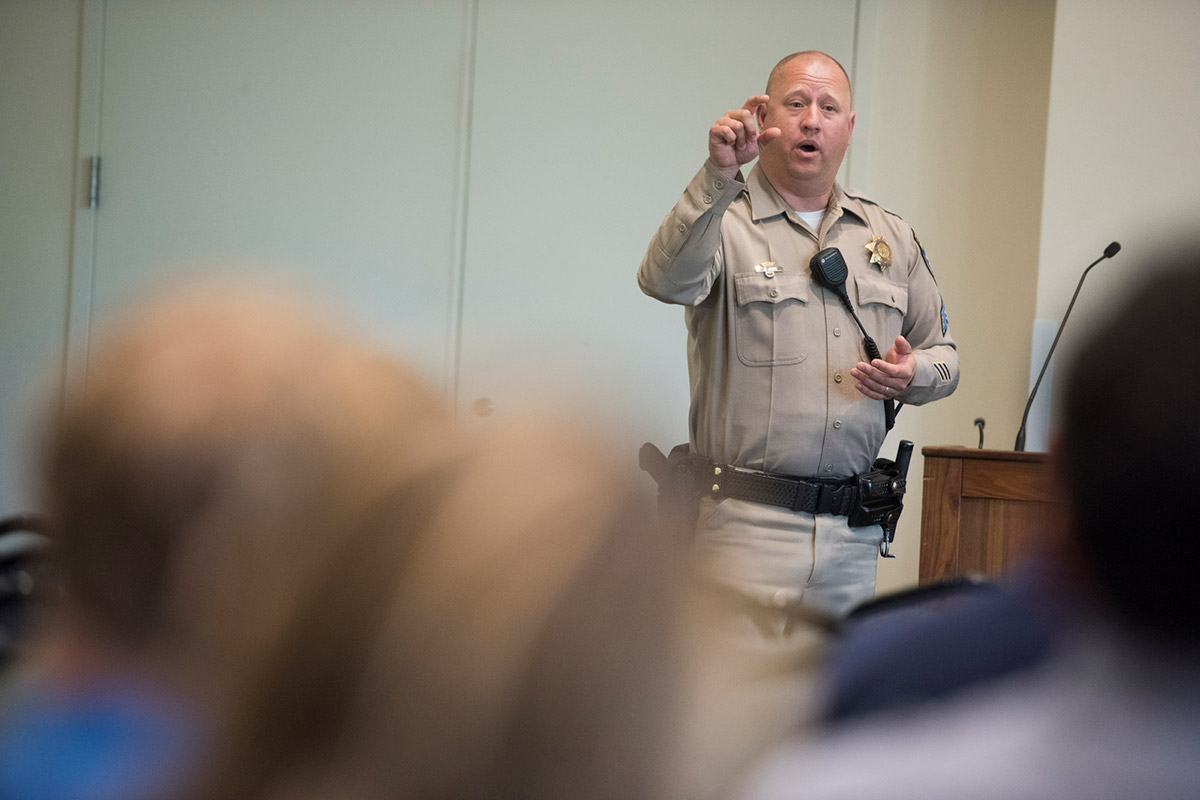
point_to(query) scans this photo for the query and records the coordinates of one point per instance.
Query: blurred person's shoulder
(1061, 730)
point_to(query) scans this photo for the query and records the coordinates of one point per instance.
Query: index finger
(883, 372)
(756, 102)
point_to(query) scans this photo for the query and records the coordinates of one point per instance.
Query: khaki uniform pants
(785, 559)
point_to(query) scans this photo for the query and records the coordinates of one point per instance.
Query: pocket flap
(754, 287)
(874, 290)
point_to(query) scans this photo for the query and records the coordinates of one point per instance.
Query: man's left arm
(922, 364)
(927, 329)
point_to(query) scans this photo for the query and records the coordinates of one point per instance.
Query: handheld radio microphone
(1109, 252)
(829, 268)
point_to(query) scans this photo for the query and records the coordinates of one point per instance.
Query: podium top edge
(954, 451)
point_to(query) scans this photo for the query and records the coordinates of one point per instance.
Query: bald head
(809, 104)
(807, 55)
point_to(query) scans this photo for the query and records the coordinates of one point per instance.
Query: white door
(314, 138)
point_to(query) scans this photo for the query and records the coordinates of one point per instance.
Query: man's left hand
(887, 377)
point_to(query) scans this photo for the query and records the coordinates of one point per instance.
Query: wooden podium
(981, 509)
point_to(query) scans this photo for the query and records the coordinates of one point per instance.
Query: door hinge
(94, 182)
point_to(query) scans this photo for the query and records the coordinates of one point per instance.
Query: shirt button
(682, 227)
(708, 198)
(837, 423)
(720, 184)
(774, 293)
(829, 467)
(837, 331)
(837, 378)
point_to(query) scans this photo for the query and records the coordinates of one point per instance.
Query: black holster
(675, 474)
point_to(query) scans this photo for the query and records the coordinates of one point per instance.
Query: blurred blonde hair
(221, 428)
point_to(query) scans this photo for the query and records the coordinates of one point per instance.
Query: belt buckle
(832, 498)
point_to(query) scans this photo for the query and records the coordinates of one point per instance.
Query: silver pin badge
(768, 268)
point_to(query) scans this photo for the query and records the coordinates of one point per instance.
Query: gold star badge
(881, 252)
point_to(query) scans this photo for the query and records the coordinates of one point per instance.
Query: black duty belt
(815, 496)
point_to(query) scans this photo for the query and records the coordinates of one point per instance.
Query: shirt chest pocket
(882, 306)
(770, 318)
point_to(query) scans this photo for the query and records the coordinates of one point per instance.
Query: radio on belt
(881, 495)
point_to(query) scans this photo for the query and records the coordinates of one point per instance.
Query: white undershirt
(813, 218)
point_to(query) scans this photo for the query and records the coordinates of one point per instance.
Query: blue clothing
(928, 649)
(110, 739)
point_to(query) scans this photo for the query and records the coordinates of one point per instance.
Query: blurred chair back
(25, 581)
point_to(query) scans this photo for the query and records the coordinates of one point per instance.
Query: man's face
(810, 104)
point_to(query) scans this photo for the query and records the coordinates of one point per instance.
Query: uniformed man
(779, 381)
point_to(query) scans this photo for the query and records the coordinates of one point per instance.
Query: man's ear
(761, 115)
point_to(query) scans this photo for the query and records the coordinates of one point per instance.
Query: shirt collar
(765, 202)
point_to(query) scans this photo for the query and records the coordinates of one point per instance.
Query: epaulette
(864, 199)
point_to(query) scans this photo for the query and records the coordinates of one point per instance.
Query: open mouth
(808, 147)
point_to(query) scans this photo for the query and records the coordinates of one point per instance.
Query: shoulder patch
(924, 257)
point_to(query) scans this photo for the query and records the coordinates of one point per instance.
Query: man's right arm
(684, 257)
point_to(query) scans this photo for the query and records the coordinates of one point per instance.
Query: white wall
(953, 139)
(39, 46)
(1122, 152)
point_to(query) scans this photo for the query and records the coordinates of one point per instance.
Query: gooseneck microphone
(1109, 252)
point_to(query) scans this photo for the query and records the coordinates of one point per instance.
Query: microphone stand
(1109, 252)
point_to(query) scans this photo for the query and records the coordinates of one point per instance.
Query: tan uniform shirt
(769, 357)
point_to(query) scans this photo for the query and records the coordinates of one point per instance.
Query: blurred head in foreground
(221, 429)
(221, 434)
(254, 507)
(1127, 451)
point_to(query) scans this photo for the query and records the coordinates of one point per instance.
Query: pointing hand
(734, 139)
